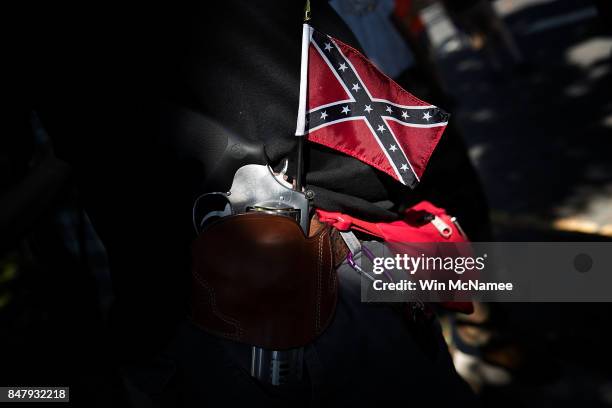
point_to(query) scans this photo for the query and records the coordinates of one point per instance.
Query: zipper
(443, 228)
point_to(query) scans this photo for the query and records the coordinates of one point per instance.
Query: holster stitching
(319, 282)
(216, 312)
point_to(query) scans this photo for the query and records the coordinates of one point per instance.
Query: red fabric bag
(422, 223)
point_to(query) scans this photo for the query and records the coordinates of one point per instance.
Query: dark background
(540, 141)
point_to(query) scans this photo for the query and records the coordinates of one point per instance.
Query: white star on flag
(405, 115)
(346, 110)
(426, 116)
(368, 108)
(324, 115)
(404, 167)
(342, 67)
(328, 47)
(355, 87)
(393, 148)
(381, 128)
(389, 109)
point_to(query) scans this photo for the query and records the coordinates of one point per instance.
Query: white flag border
(300, 129)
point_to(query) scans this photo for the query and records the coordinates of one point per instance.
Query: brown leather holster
(258, 280)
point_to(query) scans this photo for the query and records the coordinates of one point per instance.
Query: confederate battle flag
(348, 105)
